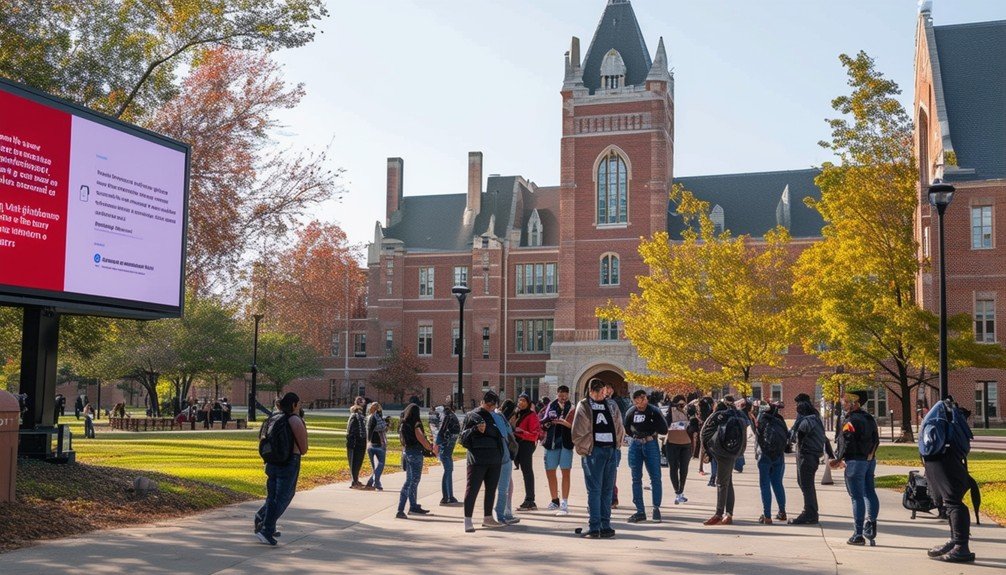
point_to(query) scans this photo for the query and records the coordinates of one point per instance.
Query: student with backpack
(857, 449)
(772, 436)
(944, 444)
(811, 443)
(356, 443)
(484, 442)
(282, 442)
(724, 437)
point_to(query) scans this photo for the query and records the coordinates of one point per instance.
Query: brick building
(960, 100)
(539, 260)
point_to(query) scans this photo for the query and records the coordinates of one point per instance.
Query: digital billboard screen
(92, 210)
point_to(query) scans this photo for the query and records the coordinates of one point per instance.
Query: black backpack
(729, 437)
(275, 439)
(917, 496)
(774, 436)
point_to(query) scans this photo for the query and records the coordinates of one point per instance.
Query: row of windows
(533, 335)
(537, 279)
(426, 279)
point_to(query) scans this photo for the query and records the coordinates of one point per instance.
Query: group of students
(500, 436)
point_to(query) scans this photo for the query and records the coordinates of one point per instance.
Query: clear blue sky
(431, 80)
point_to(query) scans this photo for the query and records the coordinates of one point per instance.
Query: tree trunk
(907, 435)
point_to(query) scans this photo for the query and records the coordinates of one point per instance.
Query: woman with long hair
(526, 427)
(356, 443)
(414, 441)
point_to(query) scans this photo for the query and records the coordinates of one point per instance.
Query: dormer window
(612, 71)
(534, 230)
(716, 215)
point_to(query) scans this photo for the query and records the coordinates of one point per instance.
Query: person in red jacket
(527, 428)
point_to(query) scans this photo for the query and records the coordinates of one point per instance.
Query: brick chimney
(396, 173)
(474, 204)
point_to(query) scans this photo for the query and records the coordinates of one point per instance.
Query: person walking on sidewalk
(772, 436)
(678, 446)
(811, 442)
(356, 443)
(414, 442)
(446, 437)
(857, 448)
(377, 445)
(281, 484)
(527, 428)
(557, 421)
(643, 424)
(88, 412)
(944, 444)
(724, 437)
(504, 492)
(484, 442)
(597, 433)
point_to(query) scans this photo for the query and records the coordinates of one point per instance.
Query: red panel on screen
(34, 167)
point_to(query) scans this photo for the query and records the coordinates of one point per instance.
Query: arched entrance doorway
(607, 373)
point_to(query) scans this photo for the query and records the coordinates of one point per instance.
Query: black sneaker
(637, 517)
(959, 555)
(940, 550)
(856, 540)
(656, 515)
(607, 533)
(258, 527)
(587, 534)
(527, 506)
(270, 540)
(419, 511)
(803, 520)
(453, 501)
(445, 502)
(401, 515)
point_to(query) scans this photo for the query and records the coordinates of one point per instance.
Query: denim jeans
(645, 454)
(770, 472)
(412, 462)
(377, 456)
(447, 460)
(862, 490)
(599, 475)
(504, 492)
(280, 488)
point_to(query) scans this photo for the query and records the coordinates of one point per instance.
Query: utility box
(10, 413)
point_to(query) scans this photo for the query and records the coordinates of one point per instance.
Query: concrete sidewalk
(333, 529)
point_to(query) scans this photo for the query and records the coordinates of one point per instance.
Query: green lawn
(988, 469)
(994, 432)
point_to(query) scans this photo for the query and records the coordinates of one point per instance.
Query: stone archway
(606, 372)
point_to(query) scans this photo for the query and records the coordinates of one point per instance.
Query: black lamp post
(461, 292)
(940, 196)
(252, 394)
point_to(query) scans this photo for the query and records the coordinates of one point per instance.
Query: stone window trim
(983, 235)
(984, 317)
(426, 282)
(622, 217)
(610, 270)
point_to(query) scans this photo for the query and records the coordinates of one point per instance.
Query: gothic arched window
(612, 70)
(612, 190)
(716, 215)
(534, 230)
(609, 270)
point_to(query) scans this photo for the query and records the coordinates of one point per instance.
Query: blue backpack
(944, 427)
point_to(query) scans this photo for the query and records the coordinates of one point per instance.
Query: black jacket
(859, 438)
(356, 433)
(557, 436)
(484, 448)
(808, 433)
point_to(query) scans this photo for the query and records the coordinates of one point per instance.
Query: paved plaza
(334, 529)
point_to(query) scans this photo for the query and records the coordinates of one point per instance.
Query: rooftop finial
(926, 6)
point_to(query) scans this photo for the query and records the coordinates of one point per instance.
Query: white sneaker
(683, 498)
(563, 509)
(552, 506)
(677, 499)
(491, 523)
(469, 527)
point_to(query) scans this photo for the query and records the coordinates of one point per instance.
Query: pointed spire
(659, 71)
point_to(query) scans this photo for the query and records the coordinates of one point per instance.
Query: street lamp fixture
(253, 393)
(461, 292)
(940, 196)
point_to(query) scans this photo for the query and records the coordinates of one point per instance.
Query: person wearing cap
(557, 421)
(644, 424)
(484, 441)
(282, 477)
(597, 434)
(526, 427)
(678, 446)
(857, 448)
(811, 443)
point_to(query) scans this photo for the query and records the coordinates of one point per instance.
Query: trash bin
(10, 412)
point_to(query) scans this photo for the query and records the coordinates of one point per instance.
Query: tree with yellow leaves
(714, 307)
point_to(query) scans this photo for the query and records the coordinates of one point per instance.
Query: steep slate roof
(749, 201)
(617, 29)
(436, 223)
(972, 59)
